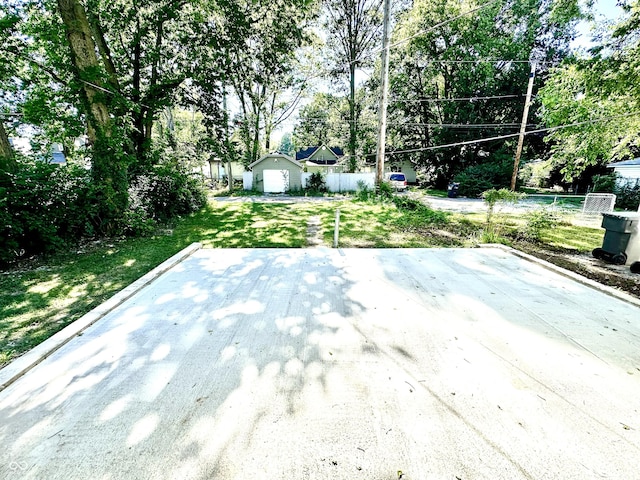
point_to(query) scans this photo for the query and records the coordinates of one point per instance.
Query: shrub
(492, 230)
(385, 191)
(537, 221)
(493, 196)
(604, 183)
(417, 213)
(364, 193)
(165, 192)
(316, 183)
(43, 207)
(480, 178)
(628, 195)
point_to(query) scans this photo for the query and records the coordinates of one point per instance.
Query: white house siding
(628, 174)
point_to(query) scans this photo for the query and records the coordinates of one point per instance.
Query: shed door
(276, 181)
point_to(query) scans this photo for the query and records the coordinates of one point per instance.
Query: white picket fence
(343, 182)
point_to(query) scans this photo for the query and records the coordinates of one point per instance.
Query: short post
(336, 229)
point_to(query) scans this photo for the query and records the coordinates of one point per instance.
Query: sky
(604, 10)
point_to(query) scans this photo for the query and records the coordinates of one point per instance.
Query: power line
(509, 135)
(461, 125)
(486, 60)
(427, 30)
(460, 99)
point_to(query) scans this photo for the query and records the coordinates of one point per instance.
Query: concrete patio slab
(341, 364)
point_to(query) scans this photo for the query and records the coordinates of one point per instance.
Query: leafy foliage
(492, 232)
(353, 28)
(43, 208)
(447, 90)
(316, 183)
(538, 221)
(418, 214)
(604, 183)
(478, 178)
(598, 96)
(573, 96)
(323, 121)
(628, 196)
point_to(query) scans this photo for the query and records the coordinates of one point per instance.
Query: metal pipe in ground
(336, 229)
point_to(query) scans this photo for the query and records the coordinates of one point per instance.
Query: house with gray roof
(321, 159)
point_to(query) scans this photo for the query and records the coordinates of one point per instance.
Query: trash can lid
(623, 215)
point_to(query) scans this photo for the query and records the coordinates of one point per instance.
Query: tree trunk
(268, 124)
(255, 149)
(352, 117)
(108, 167)
(138, 113)
(7, 160)
(86, 65)
(103, 48)
(229, 176)
(227, 142)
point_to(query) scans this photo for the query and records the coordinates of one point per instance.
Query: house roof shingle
(305, 153)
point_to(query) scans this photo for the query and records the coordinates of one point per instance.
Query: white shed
(628, 170)
(276, 173)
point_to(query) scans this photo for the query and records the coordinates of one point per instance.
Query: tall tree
(9, 71)
(108, 168)
(145, 54)
(353, 30)
(461, 77)
(596, 99)
(255, 44)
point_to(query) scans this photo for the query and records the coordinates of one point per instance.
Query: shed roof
(276, 155)
(625, 163)
(305, 153)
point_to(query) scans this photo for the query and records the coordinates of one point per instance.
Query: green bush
(604, 183)
(628, 196)
(385, 191)
(537, 221)
(480, 178)
(316, 183)
(165, 192)
(492, 232)
(417, 213)
(43, 208)
(364, 193)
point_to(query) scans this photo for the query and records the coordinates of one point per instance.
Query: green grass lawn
(40, 297)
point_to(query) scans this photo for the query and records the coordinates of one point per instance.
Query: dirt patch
(314, 232)
(616, 276)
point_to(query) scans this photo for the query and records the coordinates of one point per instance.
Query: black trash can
(619, 228)
(452, 190)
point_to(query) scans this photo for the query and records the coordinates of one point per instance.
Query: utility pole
(384, 87)
(523, 127)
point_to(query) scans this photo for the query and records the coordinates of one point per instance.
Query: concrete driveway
(339, 364)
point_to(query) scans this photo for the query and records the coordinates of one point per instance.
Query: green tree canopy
(462, 77)
(594, 100)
